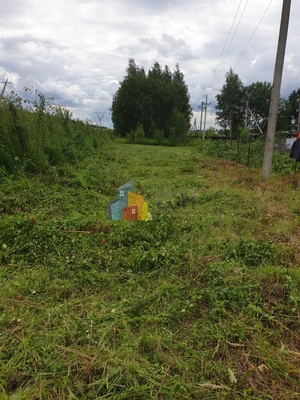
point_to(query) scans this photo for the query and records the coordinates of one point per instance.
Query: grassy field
(201, 302)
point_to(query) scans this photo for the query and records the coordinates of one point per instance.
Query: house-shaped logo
(128, 205)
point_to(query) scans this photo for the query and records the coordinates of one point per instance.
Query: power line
(253, 34)
(223, 57)
(235, 31)
(217, 68)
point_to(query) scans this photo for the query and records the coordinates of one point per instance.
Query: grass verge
(201, 302)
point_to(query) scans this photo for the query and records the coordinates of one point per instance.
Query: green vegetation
(153, 106)
(202, 302)
(247, 153)
(231, 103)
(35, 134)
(234, 97)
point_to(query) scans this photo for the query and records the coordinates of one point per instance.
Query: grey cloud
(168, 46)
(31, 54)
(77, 50)
(102, 95)
(71, 94)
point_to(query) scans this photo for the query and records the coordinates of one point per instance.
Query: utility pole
(206, 104)
(202, 105)
(270, 139)
(246, 123)
(5, 83)
(194, 127)
(246, 114)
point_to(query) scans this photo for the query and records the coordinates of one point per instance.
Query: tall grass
(36, 137)
(246, 153)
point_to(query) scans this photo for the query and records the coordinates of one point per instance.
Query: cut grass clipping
(202, 302)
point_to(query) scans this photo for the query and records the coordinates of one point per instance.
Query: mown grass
(202, 302)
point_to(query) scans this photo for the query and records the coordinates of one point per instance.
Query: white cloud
(168, 46)
(102, 96)
(78, 51)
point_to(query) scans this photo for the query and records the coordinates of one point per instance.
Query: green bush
(136, 135)
(158, 136)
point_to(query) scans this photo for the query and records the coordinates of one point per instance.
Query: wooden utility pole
(270, 139)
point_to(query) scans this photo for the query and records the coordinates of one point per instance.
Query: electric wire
(252, 34)
(245, 48)
(235, 31)
(229, 33)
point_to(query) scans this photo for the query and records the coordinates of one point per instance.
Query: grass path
(202, 302)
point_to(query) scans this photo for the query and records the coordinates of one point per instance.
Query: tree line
(153, 105)
(234, 97)
(156, 105)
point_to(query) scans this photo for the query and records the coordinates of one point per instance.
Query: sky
(77, 51)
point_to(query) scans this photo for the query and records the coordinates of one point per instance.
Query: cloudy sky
(77, 51)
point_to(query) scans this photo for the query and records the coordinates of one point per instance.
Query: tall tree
(284, 116)
(289, 110)
(133, 70)
(181, 93)
(159, 88)
(131, 106)
(231, 103)
(259, 95)
(151, 101)
(294, 103)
